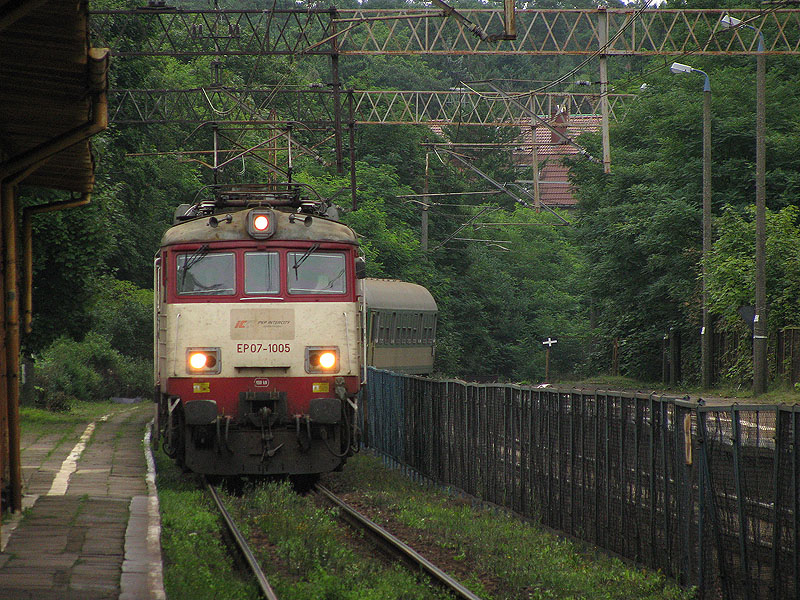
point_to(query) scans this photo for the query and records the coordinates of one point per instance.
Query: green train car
(401, 326)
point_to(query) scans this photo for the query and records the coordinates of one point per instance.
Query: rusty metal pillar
(3, 384)
(336, 86)
(12, 338)
(351, 128)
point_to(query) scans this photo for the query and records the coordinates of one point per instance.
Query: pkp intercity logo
(262, 324)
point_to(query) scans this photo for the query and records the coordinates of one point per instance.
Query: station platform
(90, 526)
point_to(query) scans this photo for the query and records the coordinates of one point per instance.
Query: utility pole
(603, 42)
(336, 85)
(537, 198)
(424, 233)
(760, 318)
(706, 333)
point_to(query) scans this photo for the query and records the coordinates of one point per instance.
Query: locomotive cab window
(316, 273)
(262, 273)
(206, 274)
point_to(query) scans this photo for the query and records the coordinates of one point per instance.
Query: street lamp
(760, 318)
(729, 22)
(705, 331)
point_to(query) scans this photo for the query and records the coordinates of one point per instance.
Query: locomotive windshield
(262, 273)
(206, 274)
(316, 273)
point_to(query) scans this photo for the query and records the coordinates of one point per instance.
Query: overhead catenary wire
(587, 60)
(687, 53)
(499, 185)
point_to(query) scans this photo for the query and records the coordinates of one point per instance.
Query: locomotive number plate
(258, 347)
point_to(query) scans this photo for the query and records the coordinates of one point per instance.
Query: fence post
(572, 463)
(796, 496)
(596, 468)
(622, 479)
(737, 481)
(652, 467)
(559, 459)
(662, 409)
(701, 500)
(638, 420)
(776, 523)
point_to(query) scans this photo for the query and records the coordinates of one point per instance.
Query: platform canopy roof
(49, 84)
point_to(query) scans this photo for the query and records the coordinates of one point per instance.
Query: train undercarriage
(262, 440)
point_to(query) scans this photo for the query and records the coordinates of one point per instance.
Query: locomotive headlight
(202, 360)
(198, 360)
(322, 360)
(327, 360)
(261, 223)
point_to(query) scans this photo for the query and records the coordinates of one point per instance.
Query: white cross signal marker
(549, 342)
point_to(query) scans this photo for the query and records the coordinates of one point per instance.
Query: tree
(640, 225)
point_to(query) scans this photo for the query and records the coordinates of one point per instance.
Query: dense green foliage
(505, 277)
(641, 225)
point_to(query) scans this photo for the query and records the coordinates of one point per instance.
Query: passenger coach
(401, 326)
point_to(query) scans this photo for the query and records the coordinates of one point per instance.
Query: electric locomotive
(259, 325)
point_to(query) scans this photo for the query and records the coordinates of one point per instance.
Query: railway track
(394, 546)
(389, 543)
(242, 546)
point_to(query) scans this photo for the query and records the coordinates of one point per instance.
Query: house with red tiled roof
(555, 189)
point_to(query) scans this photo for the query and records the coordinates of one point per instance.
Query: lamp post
(760, 318)
(705, 331)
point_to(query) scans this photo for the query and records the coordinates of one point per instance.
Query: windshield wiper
(308, 252)
(192, 260)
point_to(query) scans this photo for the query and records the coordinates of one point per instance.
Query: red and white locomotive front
(258, 343)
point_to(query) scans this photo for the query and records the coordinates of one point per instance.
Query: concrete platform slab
(91, 529)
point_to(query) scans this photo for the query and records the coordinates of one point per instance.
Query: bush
(123, 314)
(90, 370)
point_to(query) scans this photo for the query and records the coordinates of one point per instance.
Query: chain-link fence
(708, 495)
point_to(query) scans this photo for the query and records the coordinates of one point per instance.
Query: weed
(316, 558)
(521, 560)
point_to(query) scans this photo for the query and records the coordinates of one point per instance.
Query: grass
(197, 565)
(307, 556)
(34, 420)
(524, 561)
(777, 394)
(69, 425)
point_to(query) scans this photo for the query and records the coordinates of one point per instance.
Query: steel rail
(241, 544)
(396, 546)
